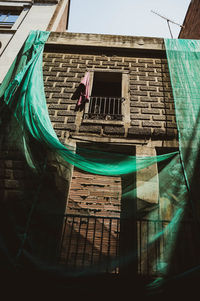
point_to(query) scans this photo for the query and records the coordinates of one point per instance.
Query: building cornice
(99, 41)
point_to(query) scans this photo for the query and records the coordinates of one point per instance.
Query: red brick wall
(191, 23)
(94, 195)
(90, 198)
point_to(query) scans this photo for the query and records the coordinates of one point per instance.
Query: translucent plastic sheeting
(184, 65)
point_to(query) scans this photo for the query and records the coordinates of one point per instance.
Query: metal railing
(92, 241)
(165, 246)
(104, 108)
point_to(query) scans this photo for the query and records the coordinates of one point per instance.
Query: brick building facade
(149, 95)
(93, 205)
(84, 221)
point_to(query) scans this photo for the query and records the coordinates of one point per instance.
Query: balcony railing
(104, 108)
(92, 241)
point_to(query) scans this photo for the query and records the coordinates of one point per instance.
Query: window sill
(7, 30)
(99, 121)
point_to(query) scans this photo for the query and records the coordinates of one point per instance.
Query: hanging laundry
(82, 92)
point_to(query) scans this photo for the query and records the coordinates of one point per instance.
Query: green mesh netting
(29, 127)
(24, 95)
(184, 64)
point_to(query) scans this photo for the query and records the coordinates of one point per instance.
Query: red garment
(84, 96)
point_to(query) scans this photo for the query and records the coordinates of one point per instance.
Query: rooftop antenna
(168, 20)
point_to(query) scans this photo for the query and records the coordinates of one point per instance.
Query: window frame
(7, 32)
(125, 109)
(22, 10)
(5, 23)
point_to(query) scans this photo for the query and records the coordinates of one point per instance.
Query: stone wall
(148, 122)
(150, 95)
(150, 115)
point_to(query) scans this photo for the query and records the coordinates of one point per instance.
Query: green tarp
(184, 65)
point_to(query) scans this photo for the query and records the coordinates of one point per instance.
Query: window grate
(104, 108)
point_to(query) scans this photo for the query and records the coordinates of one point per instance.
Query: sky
(127, 17)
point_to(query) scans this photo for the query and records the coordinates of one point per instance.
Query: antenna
(168, 20)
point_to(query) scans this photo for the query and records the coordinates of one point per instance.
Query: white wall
(34, 17)
(4, 39)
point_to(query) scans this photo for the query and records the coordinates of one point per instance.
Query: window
(106, 97)
(8, 18)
